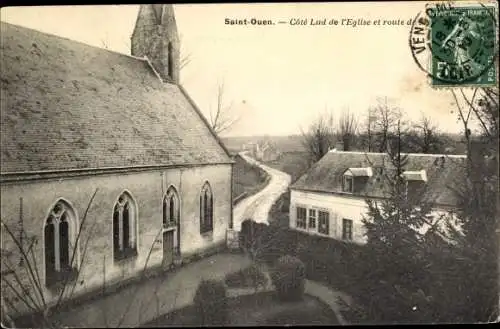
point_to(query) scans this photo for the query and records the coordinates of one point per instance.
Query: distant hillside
(284, 144)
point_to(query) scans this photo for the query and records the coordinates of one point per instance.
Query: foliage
(288, 277)
(248, 178)
(477, 246)
(222, 117)
(251, 276)
(396, 247)
(319, 137)
(347, 129)
(24, 286)
(210, 302)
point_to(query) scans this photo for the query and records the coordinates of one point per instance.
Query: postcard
(249, 164)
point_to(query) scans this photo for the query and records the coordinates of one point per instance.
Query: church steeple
(155, 36)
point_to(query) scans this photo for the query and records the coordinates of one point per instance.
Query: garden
(245, 298)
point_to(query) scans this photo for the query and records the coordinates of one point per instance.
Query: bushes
(210, 302)
(251, 276)
(288, 278)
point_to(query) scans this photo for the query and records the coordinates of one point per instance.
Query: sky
(277, 78)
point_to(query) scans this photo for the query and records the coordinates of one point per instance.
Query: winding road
(257, 206)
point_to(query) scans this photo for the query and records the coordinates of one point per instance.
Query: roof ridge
(73, 40)
(403, 153)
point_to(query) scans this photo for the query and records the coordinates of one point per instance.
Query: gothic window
(170, 60)
(206, 209)
(59, 233)
(171, 208)
(124, 227)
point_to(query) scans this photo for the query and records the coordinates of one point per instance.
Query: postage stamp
(456, 44)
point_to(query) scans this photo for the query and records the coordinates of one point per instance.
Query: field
(284, 144)
(247, 179)
(259, 309)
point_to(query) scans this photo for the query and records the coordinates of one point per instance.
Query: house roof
(66, 105)
(444, 173)
(362, 172)
(420, 175)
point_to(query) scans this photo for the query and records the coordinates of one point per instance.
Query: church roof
(444, 174)
(67, 105)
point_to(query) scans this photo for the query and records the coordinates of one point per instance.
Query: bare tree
(22, 286)
(424, 137)
(385, 118)
(477, 196)
(319, 137)
(347, 129)
(222, 118)
(185, 57)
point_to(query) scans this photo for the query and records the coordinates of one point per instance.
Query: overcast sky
(279, 77)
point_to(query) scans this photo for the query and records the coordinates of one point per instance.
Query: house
(78, 120)
(263, 150)
(330, 198)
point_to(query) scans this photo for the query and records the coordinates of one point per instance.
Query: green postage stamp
(456, 44)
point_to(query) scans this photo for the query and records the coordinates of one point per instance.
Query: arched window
(59, 235)
(171, 208)
(206, 209)
(170, 60)
(124, 227)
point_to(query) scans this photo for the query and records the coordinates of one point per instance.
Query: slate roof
(67, 105)
(444, 174)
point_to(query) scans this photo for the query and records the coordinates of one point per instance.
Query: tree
(185, 56)
(319, 137)
(222, 118)
(424, 137)
(22, 286)
(347, 129)
(477, 194)
(383, 117)
(395, 244)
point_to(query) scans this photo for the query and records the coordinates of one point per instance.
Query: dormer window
(348, 185)
(414, 182)
(355, 178)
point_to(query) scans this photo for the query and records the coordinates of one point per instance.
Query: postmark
(456, 44)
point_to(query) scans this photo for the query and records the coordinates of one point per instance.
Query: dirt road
(258, 205)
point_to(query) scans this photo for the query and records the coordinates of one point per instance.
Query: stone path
(257, 206)
(141, 303)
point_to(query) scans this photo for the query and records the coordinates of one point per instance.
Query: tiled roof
(67, 105)
(444, 173)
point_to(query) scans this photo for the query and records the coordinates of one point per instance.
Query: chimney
(339, 146)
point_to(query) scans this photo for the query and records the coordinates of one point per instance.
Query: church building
(107, 165)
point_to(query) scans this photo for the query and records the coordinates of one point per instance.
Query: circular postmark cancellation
(456, 45)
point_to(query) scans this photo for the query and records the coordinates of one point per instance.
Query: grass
(279, 213)
(248, 179)
(248, 277)
(259, 309)
(293, 163)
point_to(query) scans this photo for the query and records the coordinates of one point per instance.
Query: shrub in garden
(210, 302)
(288, 278)
(251, 276)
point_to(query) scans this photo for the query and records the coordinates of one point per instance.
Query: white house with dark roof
(76, 119)
(330, 198)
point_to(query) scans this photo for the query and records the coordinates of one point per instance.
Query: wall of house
(147, 189)
(339, 207)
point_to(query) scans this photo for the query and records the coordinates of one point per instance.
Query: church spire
(155, 36)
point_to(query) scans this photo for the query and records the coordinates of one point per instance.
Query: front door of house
(168, 247)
